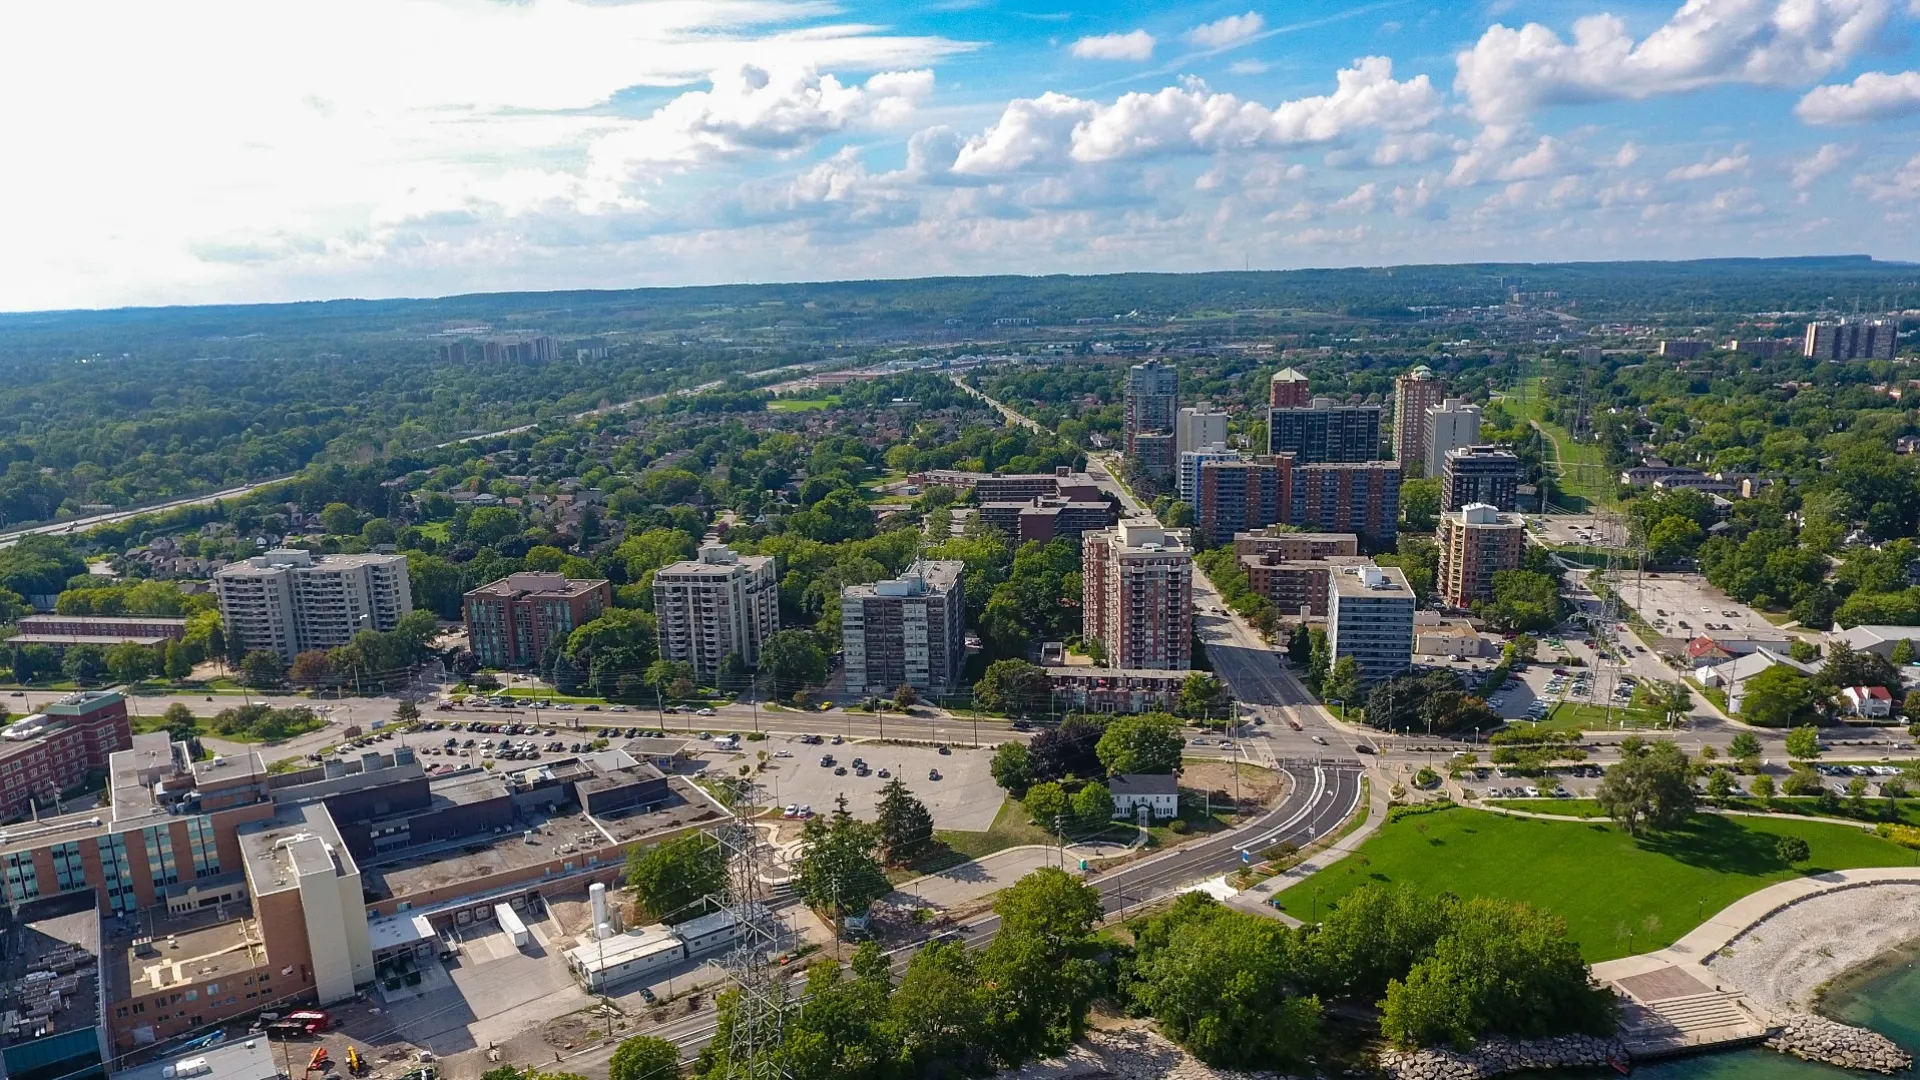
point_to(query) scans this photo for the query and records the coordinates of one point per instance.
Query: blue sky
(225, 150)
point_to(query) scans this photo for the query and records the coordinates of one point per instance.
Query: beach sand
(1783, 961)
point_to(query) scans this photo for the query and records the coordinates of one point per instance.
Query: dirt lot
(1258, 786)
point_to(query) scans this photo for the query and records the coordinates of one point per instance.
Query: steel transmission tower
(760, 1011)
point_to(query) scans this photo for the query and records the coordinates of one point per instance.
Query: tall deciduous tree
(674, 880)
(1651, 786)
(839, 871)
(1143, 743)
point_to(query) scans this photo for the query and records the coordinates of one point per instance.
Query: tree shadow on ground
(1718, 843)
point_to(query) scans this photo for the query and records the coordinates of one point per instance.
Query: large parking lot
(1685, 606)
(964, 797)
(1583, 530)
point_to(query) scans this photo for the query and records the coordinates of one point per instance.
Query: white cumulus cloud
(1508, 73)
(1223, 33)
(1133, 45)
(1901, 187)
(1875, 95)
(1712, 166)
(754, 109)
(1808, 170)
(1054, 130)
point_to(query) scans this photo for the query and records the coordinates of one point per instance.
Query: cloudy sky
(186, 151)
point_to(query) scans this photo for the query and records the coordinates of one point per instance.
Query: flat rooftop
(1381, 582)
(474, 859)
(50, 979)
(538, 584)
(246, 1059)
(310, 839)
(67, 640)
(157, 951)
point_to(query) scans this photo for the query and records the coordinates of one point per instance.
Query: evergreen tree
(905, 826)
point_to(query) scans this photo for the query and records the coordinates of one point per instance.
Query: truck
(303, 1022)
(510, 922)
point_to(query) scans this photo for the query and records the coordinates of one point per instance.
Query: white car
(703, 712)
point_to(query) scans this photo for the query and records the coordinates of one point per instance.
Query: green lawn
(1010, 828)
(435, 529)
(202, 726)
(803, 404)
(1603, 882)
(1871, 813)
(1583, 469)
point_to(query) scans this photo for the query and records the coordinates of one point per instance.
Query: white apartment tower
(1450, 425)
(1137, 596)
(288, 602)
(1370, 618)
(1199, 427)
(716, 604)
(910, 630)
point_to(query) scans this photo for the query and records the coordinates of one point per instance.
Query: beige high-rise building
(1413, 394)
(1475, 544)
(1450, 425)
(714, 605)
(286, 601)
(1199, 427)
(1137, 596)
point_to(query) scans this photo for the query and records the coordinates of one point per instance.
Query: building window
(23, 880)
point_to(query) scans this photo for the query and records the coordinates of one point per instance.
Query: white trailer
(510, 922)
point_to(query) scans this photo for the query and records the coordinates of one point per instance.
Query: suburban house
(1868, 702)
(1158, 792)
(1732, 675)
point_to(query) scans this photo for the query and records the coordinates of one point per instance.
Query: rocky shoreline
(1816, 1038)
(1494, 1056)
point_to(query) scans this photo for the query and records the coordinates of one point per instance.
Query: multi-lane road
(1320, 795)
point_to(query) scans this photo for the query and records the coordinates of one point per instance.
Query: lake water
(1887, 1001)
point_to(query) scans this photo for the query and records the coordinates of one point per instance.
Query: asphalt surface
(1320, 797)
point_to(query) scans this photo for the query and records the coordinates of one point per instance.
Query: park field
(1619, 894)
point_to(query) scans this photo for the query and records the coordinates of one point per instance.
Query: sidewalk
(1729, 924)
(1257, 897)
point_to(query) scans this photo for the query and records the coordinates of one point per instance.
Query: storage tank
(602, 927)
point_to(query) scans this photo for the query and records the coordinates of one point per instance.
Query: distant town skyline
(218, 151)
